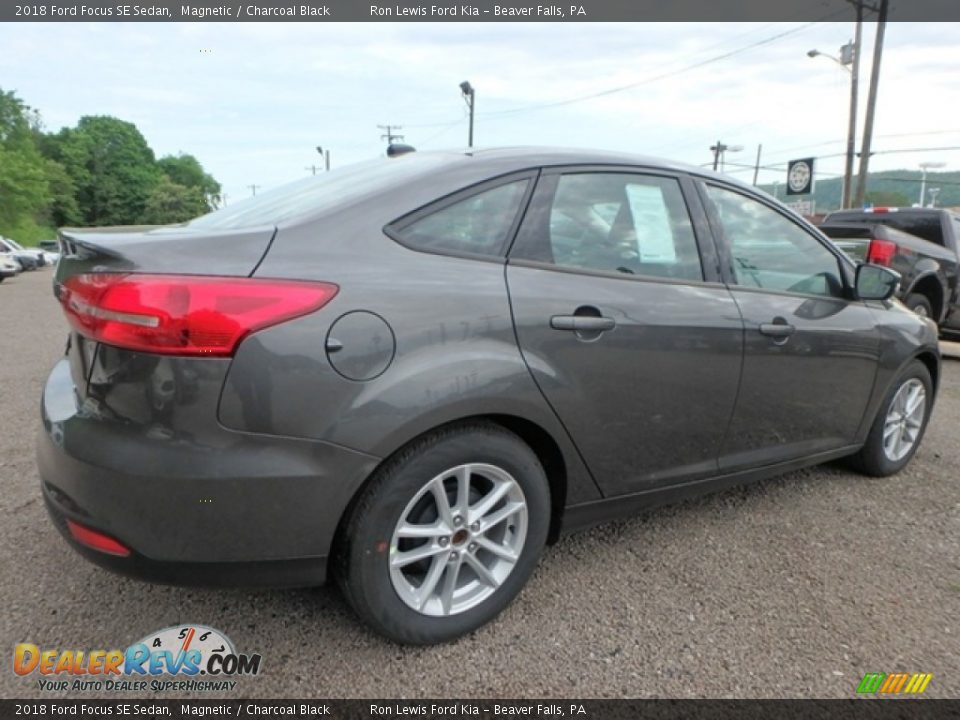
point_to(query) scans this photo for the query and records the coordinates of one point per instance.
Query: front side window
(619, 223)
(477, 225)
(771, 252)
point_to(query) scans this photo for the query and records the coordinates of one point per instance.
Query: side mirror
(874, 282)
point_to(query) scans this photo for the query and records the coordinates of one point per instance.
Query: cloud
(253, 100)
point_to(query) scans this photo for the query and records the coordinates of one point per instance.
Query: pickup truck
(919, 243)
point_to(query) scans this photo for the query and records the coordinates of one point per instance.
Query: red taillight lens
(184, 314)
(881, 252)
(96, 540)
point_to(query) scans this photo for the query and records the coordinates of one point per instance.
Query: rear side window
(476, 225)
(629, 224)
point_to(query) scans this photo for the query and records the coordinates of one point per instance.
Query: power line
(662, 76)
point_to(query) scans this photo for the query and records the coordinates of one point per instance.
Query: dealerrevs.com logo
(179, 658)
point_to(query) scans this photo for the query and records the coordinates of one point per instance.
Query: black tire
(872, 459)
(919, 304)
(363, 557)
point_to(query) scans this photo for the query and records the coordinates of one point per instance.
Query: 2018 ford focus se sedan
(412, 374)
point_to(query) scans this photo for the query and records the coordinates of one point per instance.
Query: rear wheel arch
(541, 442)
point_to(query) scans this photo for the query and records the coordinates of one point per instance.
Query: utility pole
(253, 188)
(717, 150)
(389, 135)
(852, 120)
(756, 168)
(871, 104)
(720, 153)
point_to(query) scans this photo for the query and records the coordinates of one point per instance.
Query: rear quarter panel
(455, 352)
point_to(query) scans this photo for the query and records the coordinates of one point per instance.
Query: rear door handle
(777, 330)
(582, 323)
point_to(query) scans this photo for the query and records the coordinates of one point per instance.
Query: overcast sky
(252, 101)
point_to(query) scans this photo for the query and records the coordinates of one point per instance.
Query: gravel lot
(792, 588)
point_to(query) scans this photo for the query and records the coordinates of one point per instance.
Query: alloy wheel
(458, 539)
(904, 420)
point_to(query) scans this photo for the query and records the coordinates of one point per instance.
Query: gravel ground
(791, 588)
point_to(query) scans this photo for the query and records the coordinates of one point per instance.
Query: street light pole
(470, 97)
(849, 55)
(325, 154)
(852, 125)
(924, 166)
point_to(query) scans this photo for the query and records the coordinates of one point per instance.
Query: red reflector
(184, 314)
(96, 540)
(881, 252)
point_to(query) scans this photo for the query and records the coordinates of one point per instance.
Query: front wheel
(899, 426)
(446, 535)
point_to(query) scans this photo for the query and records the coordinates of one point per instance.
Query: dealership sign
(800, 177)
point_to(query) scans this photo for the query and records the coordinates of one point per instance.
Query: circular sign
(799, 177)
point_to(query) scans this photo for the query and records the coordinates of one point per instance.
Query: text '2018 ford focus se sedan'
(411, 374)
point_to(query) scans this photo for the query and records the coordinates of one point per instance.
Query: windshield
(13, 243)
(318, 193)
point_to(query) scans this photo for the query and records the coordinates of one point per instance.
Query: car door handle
(777, 330)
(582, 323)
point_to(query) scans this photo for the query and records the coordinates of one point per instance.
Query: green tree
(170, 202)
(62, 208)
(24, 190)
(187, 171)
(112, 168)
(887, 198)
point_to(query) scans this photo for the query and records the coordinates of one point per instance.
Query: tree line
(100, 172)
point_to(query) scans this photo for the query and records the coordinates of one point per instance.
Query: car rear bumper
(206, 507)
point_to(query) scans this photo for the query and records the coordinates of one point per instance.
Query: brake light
(96, 540)
(881, 252)
(184, 314)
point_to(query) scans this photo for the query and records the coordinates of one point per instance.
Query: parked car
(27, 260)
(42, 257)
(919, 243)
(9, 266)
(411, 374)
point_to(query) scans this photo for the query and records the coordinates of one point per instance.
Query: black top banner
(475, 11)
(493, 709)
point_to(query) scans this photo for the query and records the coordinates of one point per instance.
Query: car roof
(524, 157)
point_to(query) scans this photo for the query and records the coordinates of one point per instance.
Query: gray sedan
(411, 374)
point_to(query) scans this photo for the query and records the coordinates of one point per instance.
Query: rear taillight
(881, 252)
(184, 314)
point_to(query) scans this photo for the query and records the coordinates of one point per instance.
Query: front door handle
(582, 323)
(775, 329)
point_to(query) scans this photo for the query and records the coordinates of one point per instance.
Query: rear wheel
(446, 535)
(899, 426)
(920, 304)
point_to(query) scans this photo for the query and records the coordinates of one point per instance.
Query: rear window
(319, 193)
